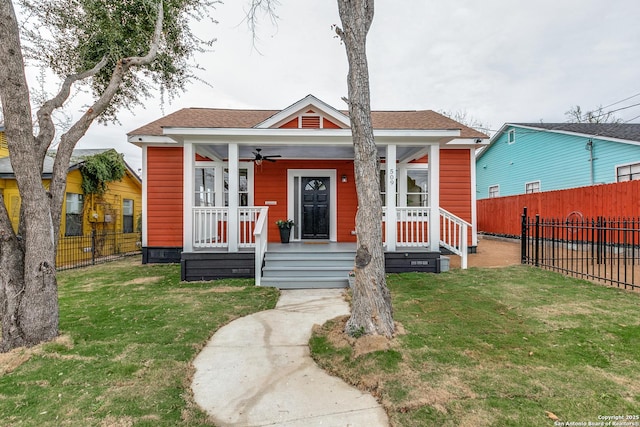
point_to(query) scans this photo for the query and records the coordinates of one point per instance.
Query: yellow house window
(73, 215)
(127, 216)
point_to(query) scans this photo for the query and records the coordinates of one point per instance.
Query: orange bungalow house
(216, 181)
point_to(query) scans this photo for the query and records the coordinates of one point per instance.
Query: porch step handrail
(453, 235)
(260, 237)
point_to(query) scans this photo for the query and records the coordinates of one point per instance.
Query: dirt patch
(362, 345)
(143, 280)
(492, 252)
(12, 359)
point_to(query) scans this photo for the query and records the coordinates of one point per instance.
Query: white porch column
(434, 197)
(234, 188)
(145, 192)
(391, 213)
(187, 196)
(474, 201)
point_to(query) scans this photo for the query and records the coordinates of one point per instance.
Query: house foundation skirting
(210, 266)
(196, 266)
(412, 261)
(161, 255)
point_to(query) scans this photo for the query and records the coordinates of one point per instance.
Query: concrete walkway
(256, 371)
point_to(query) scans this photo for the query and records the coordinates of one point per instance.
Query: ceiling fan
(259, 157)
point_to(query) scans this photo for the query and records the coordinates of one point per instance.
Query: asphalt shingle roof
(628, 131)
(77, 157)
(226, 118)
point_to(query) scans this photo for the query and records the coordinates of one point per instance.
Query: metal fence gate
(605, 250)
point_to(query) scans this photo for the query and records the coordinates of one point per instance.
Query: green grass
(499, 347)
(128, 335)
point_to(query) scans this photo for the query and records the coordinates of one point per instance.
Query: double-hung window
(127, 216)
(628, 172)
(73, 214)
(412, 185)
(211, 186)
(532, 187)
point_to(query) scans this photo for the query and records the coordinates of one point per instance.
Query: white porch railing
(412, 226)
(412, 230)
(261, 241)
(211, 230)
(211, 227)
(453, 235)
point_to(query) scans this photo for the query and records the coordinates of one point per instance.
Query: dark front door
(315, 208)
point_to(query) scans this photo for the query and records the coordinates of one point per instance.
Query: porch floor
(311, 246)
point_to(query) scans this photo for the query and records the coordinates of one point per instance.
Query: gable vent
(310, 122)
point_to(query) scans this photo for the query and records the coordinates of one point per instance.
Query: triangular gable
(309, 113)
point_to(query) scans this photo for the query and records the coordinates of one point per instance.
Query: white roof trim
(564, 132)
(308, 101)
(141, 140)
(302, 136)
(478, 142)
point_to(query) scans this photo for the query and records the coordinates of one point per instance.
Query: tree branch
(135, 61)
(70, 138)
(45, 121)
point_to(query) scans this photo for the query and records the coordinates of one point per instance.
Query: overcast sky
(495, 60)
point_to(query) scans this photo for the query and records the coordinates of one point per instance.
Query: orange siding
(271, 185)
(502, 215)
(327, 124)
(291, 124)
(455, 182)
(164, 196)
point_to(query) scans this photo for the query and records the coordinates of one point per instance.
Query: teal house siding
(555, 158)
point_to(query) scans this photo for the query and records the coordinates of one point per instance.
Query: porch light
(344, 178)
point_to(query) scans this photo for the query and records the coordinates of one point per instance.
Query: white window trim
(489, 191)
(511, 140)
(219, 168)
(333, 196)
(533, 182)
(616, 167)
(402, 183)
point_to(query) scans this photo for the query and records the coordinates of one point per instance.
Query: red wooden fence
(502, 215)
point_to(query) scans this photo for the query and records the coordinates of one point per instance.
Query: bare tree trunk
(28, 287)
(371, 311)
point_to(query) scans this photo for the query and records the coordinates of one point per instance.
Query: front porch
(220, 250)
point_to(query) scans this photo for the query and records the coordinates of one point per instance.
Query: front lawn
(128, 335)
(515, 346)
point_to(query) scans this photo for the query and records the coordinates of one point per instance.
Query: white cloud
(498, 60)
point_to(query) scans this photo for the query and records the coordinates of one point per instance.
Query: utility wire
(622, 100)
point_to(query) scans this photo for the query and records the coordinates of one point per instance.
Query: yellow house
(91, 226)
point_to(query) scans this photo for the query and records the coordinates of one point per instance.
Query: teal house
(531, 157)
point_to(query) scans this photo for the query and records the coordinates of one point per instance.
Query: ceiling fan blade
(268, 159)
(274, 155)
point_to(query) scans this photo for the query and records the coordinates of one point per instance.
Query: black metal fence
(605, 250)
(96, 248)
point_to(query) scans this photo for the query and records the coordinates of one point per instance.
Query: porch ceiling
(334, 152)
